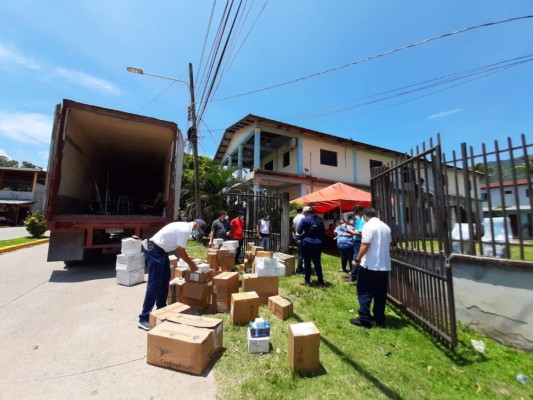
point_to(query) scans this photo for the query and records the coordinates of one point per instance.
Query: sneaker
(144, 325)
(358, 322)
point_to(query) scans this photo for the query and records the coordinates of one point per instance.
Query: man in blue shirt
(312, 232)
(357, 232)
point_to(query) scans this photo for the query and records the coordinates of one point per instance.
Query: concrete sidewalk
(72, 334)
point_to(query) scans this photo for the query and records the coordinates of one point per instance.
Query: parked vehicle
(111, 174)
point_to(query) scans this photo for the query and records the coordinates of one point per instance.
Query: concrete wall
(496, 298)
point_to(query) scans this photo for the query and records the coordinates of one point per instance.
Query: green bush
(35, 224)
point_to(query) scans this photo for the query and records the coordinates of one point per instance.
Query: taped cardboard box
(133, 262)
(213, 324)
(226, 262)
(255, 249)
(280, 307)
(304, 344)
(224, 285)
(197, 295)
(130, 278)
(197, 276)
(173, 260)
(231, 244)
(180, 347)
(130, 246)
(161, 315)
(264, 254)
(264, 286)
(288, 261)
(268, 267)
(178, 272)
(175, 290)
(244, 307)
(212, 258)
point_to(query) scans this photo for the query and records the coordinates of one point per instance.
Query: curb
(23, 245)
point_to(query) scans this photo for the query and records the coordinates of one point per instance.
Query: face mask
(267, 218)
(194, 234)
(242, 218)
(226, 217)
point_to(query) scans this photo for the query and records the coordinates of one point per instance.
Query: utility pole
(194, 139)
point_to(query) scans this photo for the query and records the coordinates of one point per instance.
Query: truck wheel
(71, 263)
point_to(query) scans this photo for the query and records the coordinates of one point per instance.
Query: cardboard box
(224, 285)
(264, 286)
(255, 249)
(264, 254)
(288, 261)
(130, 246)
(130, 278)
(173, 260)
(175, 290)
(212, 258)
(161, 315)
(231, 244)
(248, 256)
(180, 347)
(244, 307)
(178, 272)
(304, 344)
(258, 344)
(198, 277)
(280, 307)
(130, 263)
(249, 247)
(267, 267)
(197, 295)
(218, 242)
(247, 267)
(213, 324)
(203, 267)
(226, 262)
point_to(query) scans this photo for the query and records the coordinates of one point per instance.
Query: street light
(193, 137)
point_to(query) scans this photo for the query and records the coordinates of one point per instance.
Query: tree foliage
(6, 162)
(35, 224)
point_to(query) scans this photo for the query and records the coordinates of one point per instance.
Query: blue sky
(79, 50)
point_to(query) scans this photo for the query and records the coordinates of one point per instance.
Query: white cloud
(26, 127)
(444, 113)
(4, 154)
(83, 79)
(13, 55)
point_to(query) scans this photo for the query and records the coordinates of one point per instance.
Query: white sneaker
(144, 325)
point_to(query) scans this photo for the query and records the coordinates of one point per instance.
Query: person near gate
(237, 232)
(344, 240)
(312, 232)
(263, 231)
(171, 237)
(297, 239)
(357, 234)
(374, 264)
(220, 227)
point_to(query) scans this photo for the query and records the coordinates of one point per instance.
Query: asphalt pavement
(14, 232)
(72, 334)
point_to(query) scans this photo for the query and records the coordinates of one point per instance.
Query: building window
(375, 163)
(483, 196)
(527, 192)
(508, 192)
(269, 166)
(287, 159)
(328, 157)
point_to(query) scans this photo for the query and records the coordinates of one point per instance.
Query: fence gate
(409, 196)
(254, 205)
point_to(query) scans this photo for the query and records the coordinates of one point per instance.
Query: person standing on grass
(374, 264)
(263, 231)
(237, 232)
(357, 234)
(220, 227)
(297, 238)
(344, 244)
(312, 231)
(173, 236)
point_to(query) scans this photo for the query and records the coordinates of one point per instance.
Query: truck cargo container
(111, 175)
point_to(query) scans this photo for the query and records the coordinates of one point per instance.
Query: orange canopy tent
(335, 197)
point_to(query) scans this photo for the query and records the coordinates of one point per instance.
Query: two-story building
(296, 160)
(21, 192)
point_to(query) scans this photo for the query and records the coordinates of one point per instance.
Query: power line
(206, 36)
(419, 43)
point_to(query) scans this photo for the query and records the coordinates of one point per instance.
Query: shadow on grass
(388, 392)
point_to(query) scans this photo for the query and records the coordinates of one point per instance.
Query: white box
(197, 261)
(218, 242)
(267, 267)
(130, 246)
(130, 262)
(259, 344)
(130, 278)
(203, 267)
(231, 244)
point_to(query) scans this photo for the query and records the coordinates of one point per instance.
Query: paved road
(16, 232)
(72, 334)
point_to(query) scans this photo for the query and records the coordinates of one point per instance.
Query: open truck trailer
(111, 175)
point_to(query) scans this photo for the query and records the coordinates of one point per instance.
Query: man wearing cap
(237, 232)
(374, 264)
(312, 232)
(171, 237)
(297, 238)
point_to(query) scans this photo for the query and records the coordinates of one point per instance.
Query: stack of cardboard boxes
(130, 263)
(224, 285)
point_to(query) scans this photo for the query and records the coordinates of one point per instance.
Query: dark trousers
(300, 266)
(353, 270)
(238, 253)
(312, 254)
(372, 285)
(346, 257)
(158, 279)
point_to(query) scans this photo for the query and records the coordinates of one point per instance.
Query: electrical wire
(206, 36)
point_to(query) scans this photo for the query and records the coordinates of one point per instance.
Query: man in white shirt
(297, 238)
(373, 275)
(173, 236)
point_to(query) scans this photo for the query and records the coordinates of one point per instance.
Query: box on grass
(244, 307)
(224, 285)
(161, 315)
(198, 277)
(131, 262)
(280, 307)
(213, 324)
(268, 267)
(264, 254)
(264, 286)
(197, 295)
(258, 344)
(130, 278)
(175, 290)
(304, 344)
(288, 261)
(212, 258)
(130, 246)
(180, 347)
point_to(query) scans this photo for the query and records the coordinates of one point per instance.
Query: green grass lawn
(23, 240)
(399, 362)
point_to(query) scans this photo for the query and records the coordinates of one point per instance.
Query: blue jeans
(346, 257)
(372, 285)
(264, 242)
(300, 266)
(158, 279)
(353, 270)
(312, 254)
